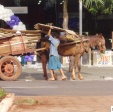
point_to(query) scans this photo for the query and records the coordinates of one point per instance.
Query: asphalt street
(97, 81)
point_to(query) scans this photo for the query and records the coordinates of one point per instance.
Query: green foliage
(2, 93)
(88, 3)
(28, 101)
(93, 10)
(99, 6)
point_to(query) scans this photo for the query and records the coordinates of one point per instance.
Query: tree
(99, 6)
(65, 15)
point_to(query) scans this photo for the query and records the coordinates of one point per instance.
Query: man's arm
(49, 32)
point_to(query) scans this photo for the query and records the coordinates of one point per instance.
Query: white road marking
(41, 87)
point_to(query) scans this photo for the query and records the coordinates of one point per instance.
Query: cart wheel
(10, 68)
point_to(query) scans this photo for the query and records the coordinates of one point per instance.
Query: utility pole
(80, 17)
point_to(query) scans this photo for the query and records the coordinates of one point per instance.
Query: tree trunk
(65, 15)
(65, 22)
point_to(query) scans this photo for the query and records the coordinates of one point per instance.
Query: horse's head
(101, 43)
(97, 41)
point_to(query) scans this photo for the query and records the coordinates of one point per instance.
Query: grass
(28, 101)
(2, 93)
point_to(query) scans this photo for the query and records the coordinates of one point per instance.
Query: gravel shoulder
(62, 104)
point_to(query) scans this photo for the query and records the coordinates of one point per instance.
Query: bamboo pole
(22, 31)
(40, 49)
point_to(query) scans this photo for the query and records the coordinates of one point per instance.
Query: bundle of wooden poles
(70, 36)
(29, 37)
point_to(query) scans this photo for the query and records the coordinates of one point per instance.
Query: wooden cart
(13, 43)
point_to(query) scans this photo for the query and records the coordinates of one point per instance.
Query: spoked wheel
(10, 68)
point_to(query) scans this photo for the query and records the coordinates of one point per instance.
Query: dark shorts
(54, 63)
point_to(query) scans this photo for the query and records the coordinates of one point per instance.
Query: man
(54, 61)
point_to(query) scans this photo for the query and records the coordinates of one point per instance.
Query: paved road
(39, 88)
(97, 81)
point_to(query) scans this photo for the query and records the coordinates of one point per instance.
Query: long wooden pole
(23, 31)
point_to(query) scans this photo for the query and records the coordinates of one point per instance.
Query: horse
(93, 41)
(76, 50)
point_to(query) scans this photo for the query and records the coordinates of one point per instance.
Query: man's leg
(52, 75)
(62, 73)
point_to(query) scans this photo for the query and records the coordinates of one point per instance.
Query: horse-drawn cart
(14, 43)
